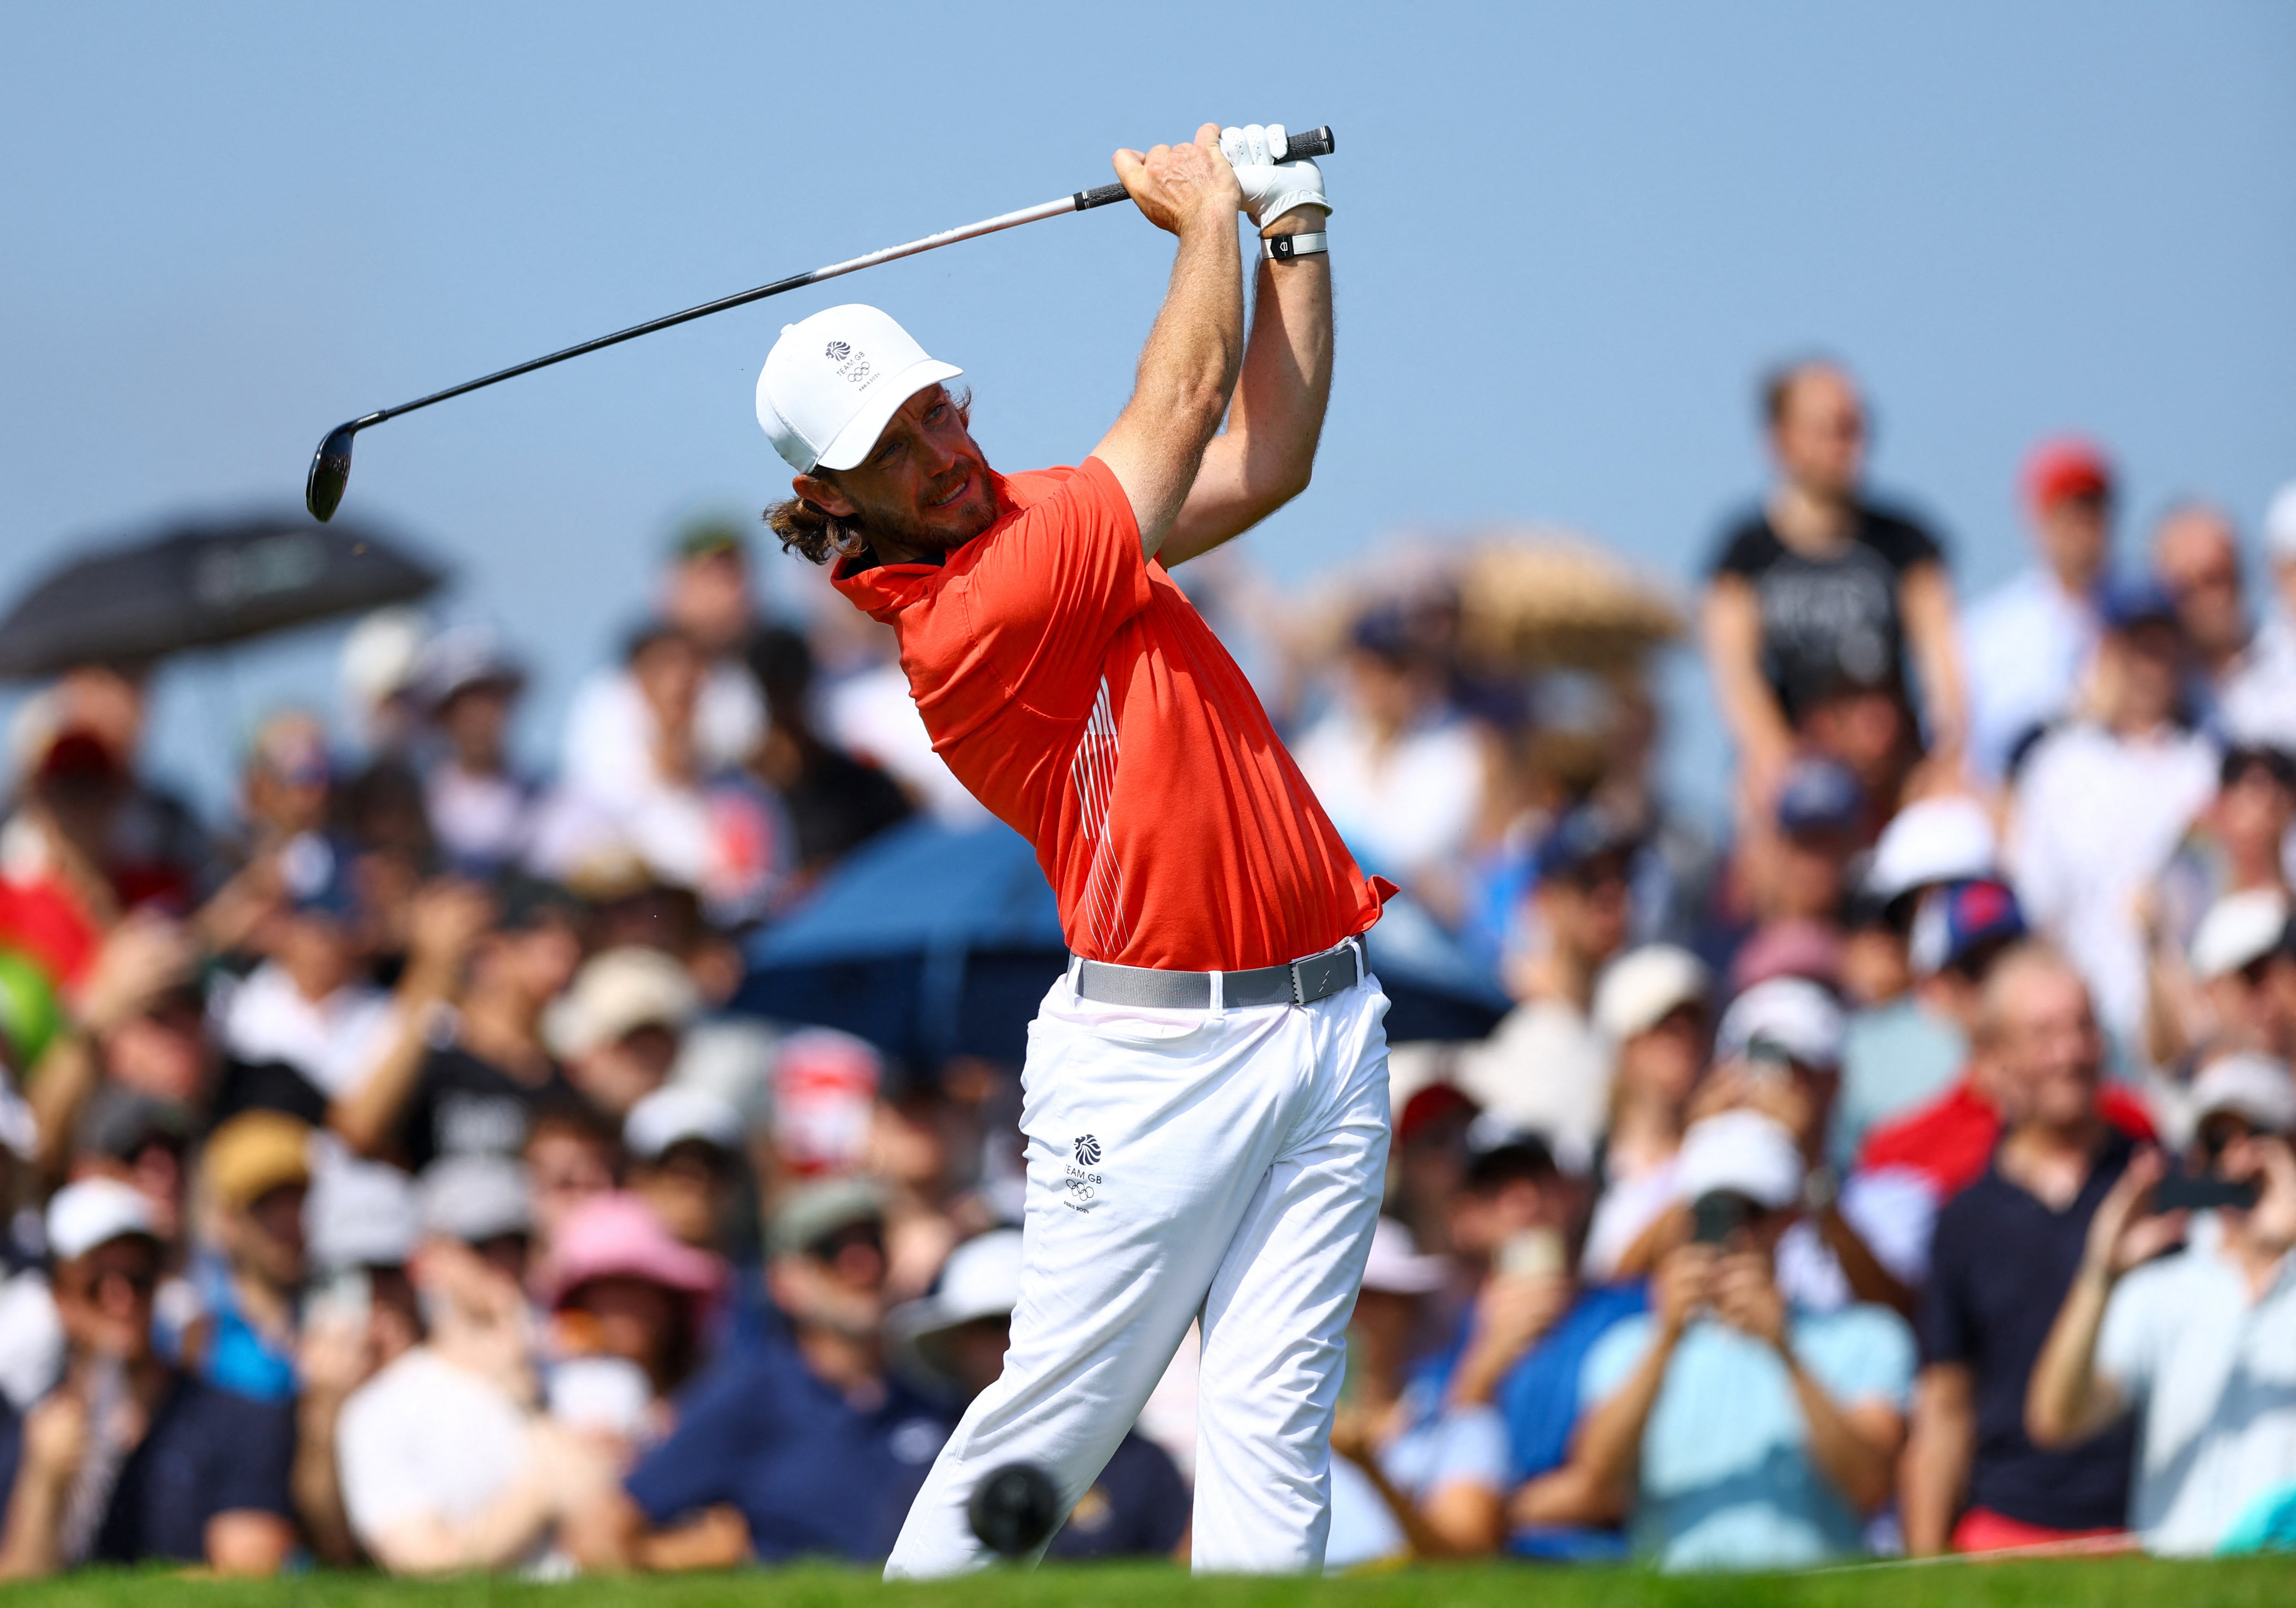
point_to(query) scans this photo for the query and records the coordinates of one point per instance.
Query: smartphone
(1717, 1215)
(1532, 1254)
(2183, 1192)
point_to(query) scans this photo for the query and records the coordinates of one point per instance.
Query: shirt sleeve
(1615, 1355)
(725, 1416)
(2130, 1341)
(1746, 550)
(1942, 1325)
(1052, 587)
(1473, 1450)
(252, 1453)
(1895, 1213)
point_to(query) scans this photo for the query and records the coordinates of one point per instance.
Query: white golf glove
(1271, 188)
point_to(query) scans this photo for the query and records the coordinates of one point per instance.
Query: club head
(331, 471)
(1014, 1509)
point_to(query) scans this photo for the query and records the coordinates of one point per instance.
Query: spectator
(1751, 1431)
(2030, 642)
(1526, 1338)
(477, 804)
(1959, 928)
(573, 1154)
(613, 730)
(1546, 1066)
(363, 1227)
(468, 1068)
(627, 1294)
(445, 1465)
(1652, 1004)
(784, 1449)
(307, 1025)
(617, 1029)
(685, 1149)
(2234, 848)
(2201, 1343)
(1139, 1506)
(1410, 1476)
(682, 808)
(1898, 1045)
(2259, 707)
(1800, 872)
(1400, 775)
(2196, 559)
(1819, 590)
(834, 801)
(2103, 803)
(1779, 1052)
(2004, 1254)
(256, 1173)
(130, 1459)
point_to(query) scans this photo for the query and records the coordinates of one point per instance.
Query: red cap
(2066, 466)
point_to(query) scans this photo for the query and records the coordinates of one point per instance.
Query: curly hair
(814, 532)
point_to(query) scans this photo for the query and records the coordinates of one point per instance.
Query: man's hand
(2125, 1233)
(56, 1438)
(1270, 188)
(445, 923)
(1177, 186)
(2271, 1222)
(1683, 1284)
(1746, 1297)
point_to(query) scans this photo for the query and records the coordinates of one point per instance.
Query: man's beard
(941, 530)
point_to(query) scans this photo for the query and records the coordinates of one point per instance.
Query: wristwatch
(1284, 248)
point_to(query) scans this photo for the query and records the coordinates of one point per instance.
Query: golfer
(1206, 1088)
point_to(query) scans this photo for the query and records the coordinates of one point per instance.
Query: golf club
(331, 465)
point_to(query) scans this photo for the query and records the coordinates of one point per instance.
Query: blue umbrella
(932, 942)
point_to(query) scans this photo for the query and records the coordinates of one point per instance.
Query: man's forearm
(1609, 1446)
(2063, 1402)
(1859, 1468)
(1937, 1461)
(31, 1546)
(1265, 456)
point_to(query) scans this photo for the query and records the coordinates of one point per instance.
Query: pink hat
(619, 1237)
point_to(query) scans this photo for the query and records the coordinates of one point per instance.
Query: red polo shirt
(1078, 694)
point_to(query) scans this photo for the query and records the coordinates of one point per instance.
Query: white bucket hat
(832, 381)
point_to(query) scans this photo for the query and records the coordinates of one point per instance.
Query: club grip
(1104, 195)
(1309, 141)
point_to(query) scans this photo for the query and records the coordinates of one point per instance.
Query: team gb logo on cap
(850, 367)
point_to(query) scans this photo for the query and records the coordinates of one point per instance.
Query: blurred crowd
(396, 1180)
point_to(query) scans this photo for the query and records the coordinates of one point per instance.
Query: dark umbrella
(932, 942)
(200, 584)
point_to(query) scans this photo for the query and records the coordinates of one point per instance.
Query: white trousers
(1184, 1166)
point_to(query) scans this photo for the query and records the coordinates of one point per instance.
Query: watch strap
(1284, 248)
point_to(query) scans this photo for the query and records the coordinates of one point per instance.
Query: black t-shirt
(464, 1106)
(1999, 1269)
(208, 1452)
(1829, 623)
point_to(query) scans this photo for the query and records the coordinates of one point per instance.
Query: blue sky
(1566, 239)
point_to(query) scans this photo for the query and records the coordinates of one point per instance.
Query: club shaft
(989, 225)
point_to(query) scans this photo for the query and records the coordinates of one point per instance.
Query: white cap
(2247, 1085)
(1743, 1151)
(1642, 987)
(2280, 525)
(361, 1214)
(2239, 928)
(832, 381)
(981, 1279)
(95, 1211)
(1792, 1012)
(616, 994)
(673, 1114)
(1934, 841)
(1396, 1266)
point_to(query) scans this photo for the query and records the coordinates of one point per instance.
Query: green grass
(2085, 1583)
